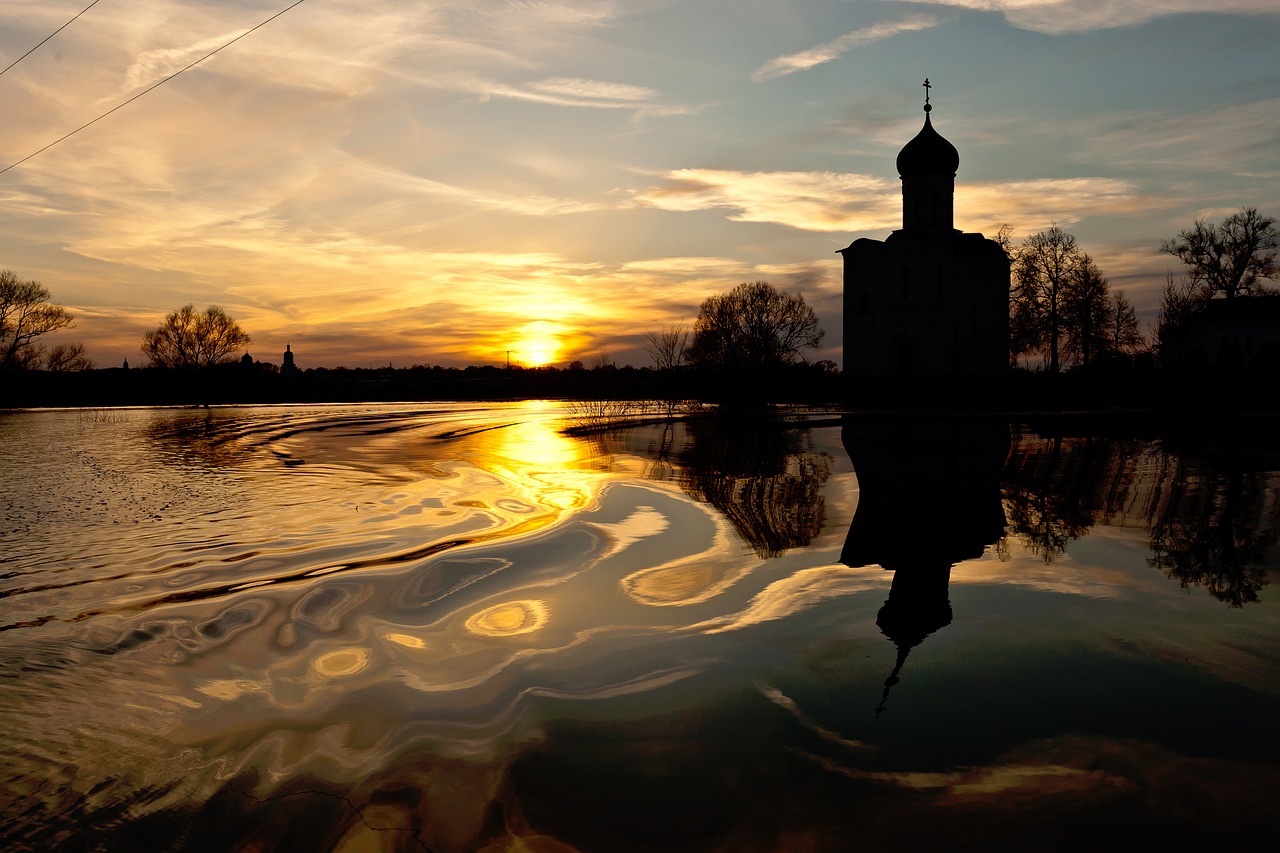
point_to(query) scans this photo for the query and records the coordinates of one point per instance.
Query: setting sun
(538, 343)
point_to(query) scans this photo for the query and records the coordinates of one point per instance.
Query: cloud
(151, 66)
(811, 201)
(796, 592)
(1243, 138)
(594, 90)
(575, 92)
(850, 202)
(1031, 205)
(834, 49)
(1059, 17)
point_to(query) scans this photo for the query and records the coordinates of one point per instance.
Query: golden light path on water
(460, 622)
(286, 574)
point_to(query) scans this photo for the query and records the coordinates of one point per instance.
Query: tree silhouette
(188, 339)
(1122, 326)
(1061, 305)
(753, 327)
(1088, 312)
(668, 347)
(1042, 272)
(1180, 301)
(26, 315)
(67, 357)
(1231, 257)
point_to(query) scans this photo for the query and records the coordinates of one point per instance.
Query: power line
(152, 87)
(51, 35)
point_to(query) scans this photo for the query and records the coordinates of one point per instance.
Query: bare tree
(1179, 302)
(667, 346)
(1122, 326)
(1005, 238)
(67, 357)
(1087, 310)
(1230, 258)
(190, 339)
(26, 315)
(1043, 270)
(753, 326)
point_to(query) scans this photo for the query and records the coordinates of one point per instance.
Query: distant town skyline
(450, 183)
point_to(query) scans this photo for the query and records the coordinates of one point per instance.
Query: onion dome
(928, 153)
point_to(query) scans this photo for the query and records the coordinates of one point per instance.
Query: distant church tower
(929, 300)
(288, 368)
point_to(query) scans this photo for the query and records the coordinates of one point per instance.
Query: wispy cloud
(1057, 17)
(1031, 205)
(834, 49)
(576, 92)
(811, 201)
(1242, 136)
(594, 90)
(833, 202)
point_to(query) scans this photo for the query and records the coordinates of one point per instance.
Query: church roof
(928, 153)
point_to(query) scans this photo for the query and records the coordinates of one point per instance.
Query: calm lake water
(454, 627)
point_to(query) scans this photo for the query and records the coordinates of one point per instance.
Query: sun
(538, 343)
(539, 356)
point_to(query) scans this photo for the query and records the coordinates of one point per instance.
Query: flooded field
(455, 627)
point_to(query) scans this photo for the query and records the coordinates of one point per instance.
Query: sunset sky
(443, 182)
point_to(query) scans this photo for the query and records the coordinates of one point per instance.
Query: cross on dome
(928, 153)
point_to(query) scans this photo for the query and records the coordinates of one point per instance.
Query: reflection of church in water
(929, 300)
(929, 497)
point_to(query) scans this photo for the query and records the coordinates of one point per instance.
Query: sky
(456, 183)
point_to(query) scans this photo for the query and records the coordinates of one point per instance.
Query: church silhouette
(929, 300)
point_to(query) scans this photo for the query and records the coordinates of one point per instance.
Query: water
(454, 627)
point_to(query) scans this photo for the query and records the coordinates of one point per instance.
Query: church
(928, 300)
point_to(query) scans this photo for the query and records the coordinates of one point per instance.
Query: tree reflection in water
(1212, 535)
(763, 474)
(206, 438)
(1049, 492)
(1208, 513)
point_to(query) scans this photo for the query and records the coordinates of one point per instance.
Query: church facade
(928, 300)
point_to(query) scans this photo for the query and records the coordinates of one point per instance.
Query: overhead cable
(150, 88)
(51, 35)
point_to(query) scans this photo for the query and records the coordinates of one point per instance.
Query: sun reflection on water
(534, 453)
(509, 619)
(341, 662)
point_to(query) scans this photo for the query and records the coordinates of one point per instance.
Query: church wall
(934, 305)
